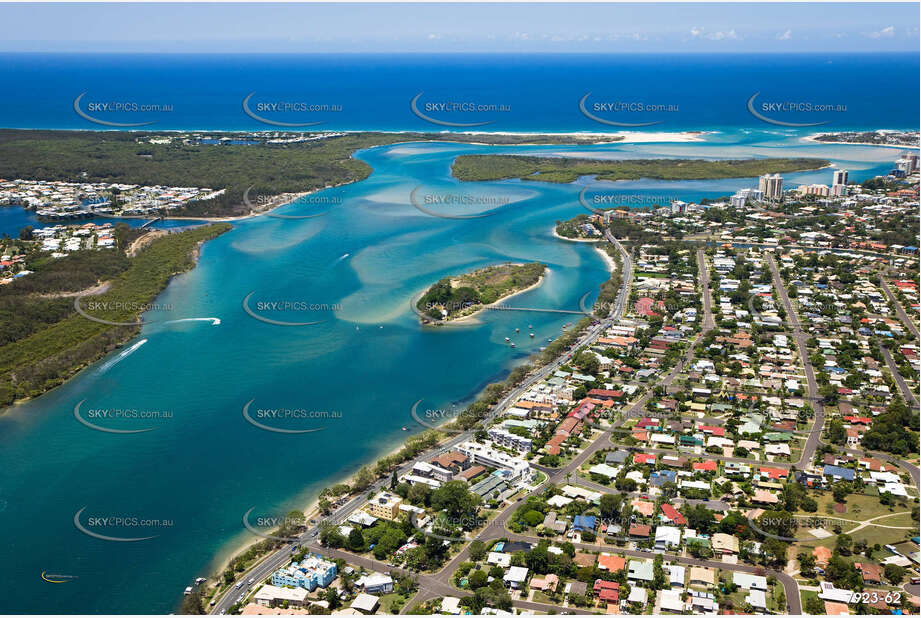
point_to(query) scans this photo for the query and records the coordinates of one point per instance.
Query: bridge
(507, 308)
(154, 220)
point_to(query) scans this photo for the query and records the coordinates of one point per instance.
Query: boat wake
(214, 321)
(121, 356)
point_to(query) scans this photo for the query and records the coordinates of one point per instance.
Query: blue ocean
(528, 92)
(367, 360)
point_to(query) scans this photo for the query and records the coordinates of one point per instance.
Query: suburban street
(899, 310)
(907, 393)
(812, 441)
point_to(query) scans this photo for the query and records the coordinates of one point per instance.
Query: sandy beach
(612, 265)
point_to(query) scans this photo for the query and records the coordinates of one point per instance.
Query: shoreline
(588, 240)
(503, 299)
(812, 139)
(612, 265)
(464, 318)
(311, 511)
(286, 199)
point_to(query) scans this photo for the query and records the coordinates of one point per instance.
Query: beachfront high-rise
(771, 185)
(839, 183)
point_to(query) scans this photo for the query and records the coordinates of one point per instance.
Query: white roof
(830, 593)
(270, 593)
(749, 581)
(516, 574)
(365, 602)
(637, 595)
(671, 601)
(756, 599)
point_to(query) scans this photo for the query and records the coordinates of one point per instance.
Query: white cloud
(728, 35)
(886, 33)
(786, 36)
(720, 36)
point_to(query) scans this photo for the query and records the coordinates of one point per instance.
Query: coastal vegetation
(573, 227)
(454, 297)
(266, 169)
(44, 341)
(565, 169)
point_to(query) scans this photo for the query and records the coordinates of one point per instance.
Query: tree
(836, 432)
(25, 233)
(419, 494)
(894, 573)
(843, 544)
(659, 580)
(806, 563)
(840, 491)
(477, 550)
(191, 603)
(456, 501)
(477, 579)
(332, 597)
(364, 478)
(356, 540)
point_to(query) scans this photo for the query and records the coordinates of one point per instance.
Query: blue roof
(583, 522)
(846, 473)
(660, 477)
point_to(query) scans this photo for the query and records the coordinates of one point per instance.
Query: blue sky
(444, 28)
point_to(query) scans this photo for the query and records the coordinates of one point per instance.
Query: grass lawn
(807, 594)
(860, 507)
(388, 601)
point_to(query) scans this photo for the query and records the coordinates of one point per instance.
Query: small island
(565, 169)
(454, 298)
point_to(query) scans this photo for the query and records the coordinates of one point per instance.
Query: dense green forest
(270, 169)
(46, 341)
(564, 169)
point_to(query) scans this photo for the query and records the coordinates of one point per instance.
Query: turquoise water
(14, 218)
(368, 361)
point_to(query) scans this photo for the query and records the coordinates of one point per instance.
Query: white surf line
(121, 356)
